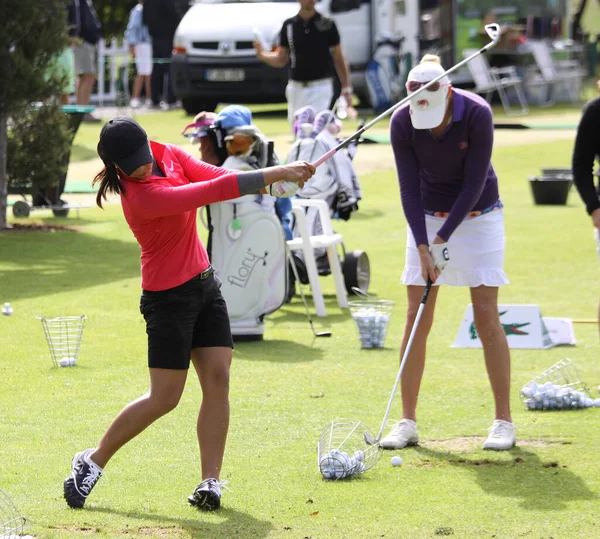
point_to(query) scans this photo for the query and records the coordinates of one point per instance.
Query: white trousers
(143, 58)
(318, 94)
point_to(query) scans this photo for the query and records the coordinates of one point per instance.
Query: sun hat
(125, 143)
(233, 116)
(427, 109)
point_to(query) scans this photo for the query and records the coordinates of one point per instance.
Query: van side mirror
(341, 6)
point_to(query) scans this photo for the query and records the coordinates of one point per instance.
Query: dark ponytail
(108, 178)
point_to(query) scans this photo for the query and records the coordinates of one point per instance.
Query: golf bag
(247, 248)
(384, 83)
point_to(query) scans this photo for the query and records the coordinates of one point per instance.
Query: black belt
(206, 273)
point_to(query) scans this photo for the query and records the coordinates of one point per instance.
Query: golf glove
(282, 189)
(439, 253)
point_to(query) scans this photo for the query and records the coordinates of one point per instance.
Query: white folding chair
(496, 79)
(328, 240)
(569, 76)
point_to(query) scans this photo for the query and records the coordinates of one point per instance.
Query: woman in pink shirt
(161, 187)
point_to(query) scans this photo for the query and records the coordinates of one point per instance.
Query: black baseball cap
(125, 143)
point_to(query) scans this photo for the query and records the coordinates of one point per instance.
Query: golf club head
(493, 30)
(369, 440)
(319, 333)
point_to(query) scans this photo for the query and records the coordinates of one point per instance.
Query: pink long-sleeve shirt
(161, 213)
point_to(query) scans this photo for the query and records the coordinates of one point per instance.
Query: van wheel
(357, 271)
(21, 209)
(193, 105)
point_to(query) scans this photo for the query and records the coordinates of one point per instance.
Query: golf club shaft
(493, 30)
(295, 271)
(406, 352)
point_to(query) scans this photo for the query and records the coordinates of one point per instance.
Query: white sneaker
(403, 434)
(135, 103)
(149, 103)
(501, 436)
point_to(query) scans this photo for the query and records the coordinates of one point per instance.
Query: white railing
(115, 55)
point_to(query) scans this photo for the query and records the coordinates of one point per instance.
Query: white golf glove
(439, 253)
(282, 189)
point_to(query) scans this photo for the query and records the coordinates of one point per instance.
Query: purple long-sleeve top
(452, 173)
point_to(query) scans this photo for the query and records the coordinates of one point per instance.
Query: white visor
(427, 109)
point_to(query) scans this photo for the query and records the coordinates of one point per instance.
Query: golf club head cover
(282, 189)
(439, 253)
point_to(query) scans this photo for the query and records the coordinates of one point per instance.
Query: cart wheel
(357, 271)
(21, 209)
(58, 212)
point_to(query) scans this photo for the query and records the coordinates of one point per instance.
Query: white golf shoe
(403, 434)
(501, 436)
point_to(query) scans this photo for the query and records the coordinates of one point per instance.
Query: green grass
(546, 487)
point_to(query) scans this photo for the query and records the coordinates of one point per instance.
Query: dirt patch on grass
(471, 443)
(75, 529)
(37, 227)
(150, 531)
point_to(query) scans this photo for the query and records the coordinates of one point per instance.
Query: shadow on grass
(537, 485)
(34, 264)
(235, 523)
(277, 351)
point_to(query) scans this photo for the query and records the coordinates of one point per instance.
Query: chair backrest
(323, 209)
(479, 69)
(543, 58)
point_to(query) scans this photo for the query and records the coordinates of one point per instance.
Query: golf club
(295, 270)
(368, 438)
(493, 30)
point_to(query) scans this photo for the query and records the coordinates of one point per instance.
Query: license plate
(225, 75)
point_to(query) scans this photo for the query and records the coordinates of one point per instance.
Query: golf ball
(67, 362)
(597, 403)
(396, 461)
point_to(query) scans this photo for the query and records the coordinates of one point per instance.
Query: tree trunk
(3, 178)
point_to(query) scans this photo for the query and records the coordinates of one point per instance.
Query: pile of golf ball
(337, 464)
(372, 326)
(67, 362)
(549, 396)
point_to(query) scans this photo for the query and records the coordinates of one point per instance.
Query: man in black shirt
(162, 18)
(308, 42)
(585, 152)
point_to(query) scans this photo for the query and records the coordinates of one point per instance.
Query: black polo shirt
(309, 43)
(585, 152)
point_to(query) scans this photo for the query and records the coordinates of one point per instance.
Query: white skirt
(476, 250)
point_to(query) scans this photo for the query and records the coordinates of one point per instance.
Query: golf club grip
(495, 38)
(405, 356)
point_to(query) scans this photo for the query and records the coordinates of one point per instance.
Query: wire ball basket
(343, 450)
(371, 317)
(557, 388)
(63, 335)
(11, 522)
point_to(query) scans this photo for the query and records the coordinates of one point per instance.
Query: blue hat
(234, 116)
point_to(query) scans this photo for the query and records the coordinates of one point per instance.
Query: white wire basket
(371, 317)
(63, 335)
(11, 522)
(558, 388)
(343, 450)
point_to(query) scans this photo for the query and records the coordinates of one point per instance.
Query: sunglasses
(197, 126)
(414, 85)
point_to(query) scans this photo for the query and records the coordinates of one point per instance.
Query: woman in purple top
(442, 142)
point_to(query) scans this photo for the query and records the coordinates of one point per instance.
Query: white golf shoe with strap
(501, 436)
(403, 434)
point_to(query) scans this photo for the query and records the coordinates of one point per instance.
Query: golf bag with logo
(384, 81)
(247, 248)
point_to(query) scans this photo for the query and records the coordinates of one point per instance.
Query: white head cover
(427, 109)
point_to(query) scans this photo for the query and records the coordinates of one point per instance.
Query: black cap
(125, 143)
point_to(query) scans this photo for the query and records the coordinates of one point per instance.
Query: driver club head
(493, 30)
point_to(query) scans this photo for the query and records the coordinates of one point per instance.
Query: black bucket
(551, 189)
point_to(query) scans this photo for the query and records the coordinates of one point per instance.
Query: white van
(214, 61)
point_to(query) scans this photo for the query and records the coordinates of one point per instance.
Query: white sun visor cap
(427, 109)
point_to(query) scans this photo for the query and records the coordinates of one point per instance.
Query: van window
(340, 6)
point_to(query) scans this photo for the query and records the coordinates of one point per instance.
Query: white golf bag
(247, 248)
(384, 82)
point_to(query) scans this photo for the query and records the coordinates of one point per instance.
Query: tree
(32, 34)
